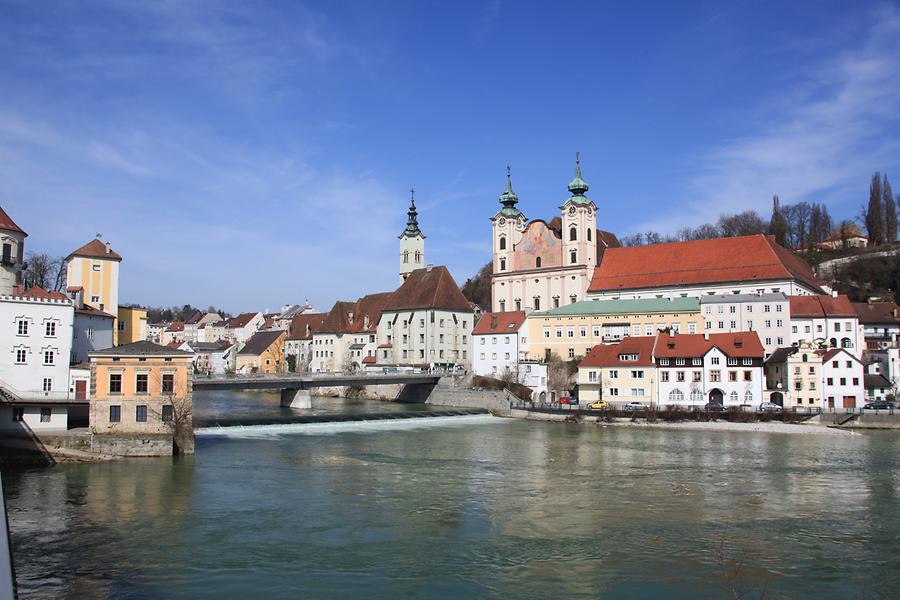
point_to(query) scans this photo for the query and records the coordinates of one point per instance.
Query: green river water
(465, 507)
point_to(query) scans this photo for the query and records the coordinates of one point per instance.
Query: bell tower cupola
(412, 241)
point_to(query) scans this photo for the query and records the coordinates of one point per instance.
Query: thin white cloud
(818, 145)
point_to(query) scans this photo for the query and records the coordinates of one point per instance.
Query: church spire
(578, 186)
(412, 218)
(508, 198)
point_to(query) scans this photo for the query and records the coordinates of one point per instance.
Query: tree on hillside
(874, 213)
(477, 289)
(890, 211)
(820, 225)
(778, 224)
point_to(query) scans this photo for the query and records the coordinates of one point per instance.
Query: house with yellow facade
(95, 268)
(619, 373)
(263, 353)
(141, 394)
(570, 331)
(132, 325)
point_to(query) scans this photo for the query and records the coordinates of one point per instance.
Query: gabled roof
(96, 249)
(429, 288)
(241, 320)
(721, 260)
(829, 354)
(610, 355)
(140, 348)
(875, 380)
(500, 322)
(176, 326)
(877, 312)
(821, 307)
(39, 292)
(350, 317)
(7, 224)
(741, 344)
(303, 327)
(89, 311)
(782, 354)
(260, 341)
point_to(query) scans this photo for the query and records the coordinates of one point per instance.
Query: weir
(333, 418)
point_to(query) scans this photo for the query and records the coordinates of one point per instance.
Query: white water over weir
(383, 422)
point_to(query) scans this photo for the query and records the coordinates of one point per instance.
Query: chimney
(108, 248)
(428, 267)
(706, 336)
(834, 293)
(493, 321)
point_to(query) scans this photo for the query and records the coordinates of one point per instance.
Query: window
(637, 330)
(573, 257)
(732, 309)
(47, 384)
(168, 383)
(714, 360)
(648, 329)
(733, 397)
(692, 328)
(49, 357)
(732, 375)
(664, 376)
(837, 326)
(715, 375)
(95, 299)
(555, 301)
(18, 414)
(141, 383)
(767, 308)
(637, 391)
(596, 331)
(140, 413)
(546, 334)
(679, 376)
(732, 361)
(571, 352)
(503, 242)
(50, 329)
(95, 266)
(768, 341)
(588, 234)
(613, 391)
(537, 262)
(115, 383)
(696, 396)
(573, 299)
(733, 324)
(168, 412)
(22, 327)
(583, 331)
(829, 381)
(614, 374)
(721, 324)
(778, 308)
(676, 395)
(592, 376)
(748, 375)
(502, 264)
(20, 356)
(843, 381)
(637, 374)
(46, 413)
(559, 332)
(698, 376)
(537, 303)
(696, 362)
(570, 332)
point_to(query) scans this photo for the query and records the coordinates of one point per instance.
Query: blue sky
(250, 156)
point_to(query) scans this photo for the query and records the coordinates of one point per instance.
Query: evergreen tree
(874, 216)
(778, 224)
(890, 211)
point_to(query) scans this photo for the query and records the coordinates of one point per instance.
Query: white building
(300, 339)
(767, 314)
(412, 243)
(843, 384)
(34, 367)
(346, 339)
(242, 327)
(881, 324)
(500, 343)
(722, 368)
(827, 322)
(752, 264)
(12, 242)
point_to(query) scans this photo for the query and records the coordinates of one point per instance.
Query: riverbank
(807, 428)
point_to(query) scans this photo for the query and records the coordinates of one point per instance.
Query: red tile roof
(176, 326)
(877, 312)
(821, 307)
(499, 322)
(74, 288)
(609, 355)
(829, 354)
(8, 224)
(89, 311)
(338, 319)
(741, 344)
(431, 288)
(722, 260)
(369, 360)
(241, 320)
(302, 327)
(96, 249)
(38, 292)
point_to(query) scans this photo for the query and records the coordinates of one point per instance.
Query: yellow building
(263, 353)
(570, 331)
(95, 268)
(619, 373)
(142, 388)
(132, 325)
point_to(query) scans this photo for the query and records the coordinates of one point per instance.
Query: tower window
(573, 234)
(518, 305)
(503, 306)
(406, 256)
(537, 262)
(502, 264)
(537, 303)
(573, 257)
(588, 235)
(503, 243)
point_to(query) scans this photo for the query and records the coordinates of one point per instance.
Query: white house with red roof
(242, 327)
(346, 338)
(826, 321)
(721, 368)
(843, 383)
(500, 342)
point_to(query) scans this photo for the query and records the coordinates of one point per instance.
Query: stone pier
(296, 398)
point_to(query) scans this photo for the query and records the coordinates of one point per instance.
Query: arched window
(573, 234)
(537, 262)
(588, 235)
(573, 257)
(537, 303)
(805, 358)
(733, 397)
(696, 396)
(845, 343)
(573, 299)
(502, 264)
(676, 395)
(406, 256)
(518, 304)
(503, 306)
(748, 397)
(502, 242)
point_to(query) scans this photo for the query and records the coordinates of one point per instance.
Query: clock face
(571, 210)
(502, 221)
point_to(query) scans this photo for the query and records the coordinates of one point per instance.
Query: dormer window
(628, 357)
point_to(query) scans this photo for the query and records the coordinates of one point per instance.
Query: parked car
(568, 400)
(879, 405)
(714, 407)
(770, 407)
(636, 406)
(599, 405)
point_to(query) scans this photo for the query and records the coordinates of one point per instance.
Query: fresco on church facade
(537, 241)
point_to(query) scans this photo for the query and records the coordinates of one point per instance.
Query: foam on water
(331, 428)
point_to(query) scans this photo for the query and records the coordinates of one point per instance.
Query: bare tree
(178, 416)
(45, 271)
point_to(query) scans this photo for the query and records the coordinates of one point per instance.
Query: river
(464, 507)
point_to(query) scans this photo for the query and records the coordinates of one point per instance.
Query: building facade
(766, 314)
(619, 373)
(500, 344)
(12, 243)
(412, 242)
(827, 322)
(95, 268)
(131, 325)
(263, 353)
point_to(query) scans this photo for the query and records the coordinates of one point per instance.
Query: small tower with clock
(412, 242)
(579, 223)
(508, 225)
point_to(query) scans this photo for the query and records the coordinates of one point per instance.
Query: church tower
(507, 227)
(579, 219)
(412, 242)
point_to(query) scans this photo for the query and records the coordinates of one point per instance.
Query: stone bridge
(295, 387)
